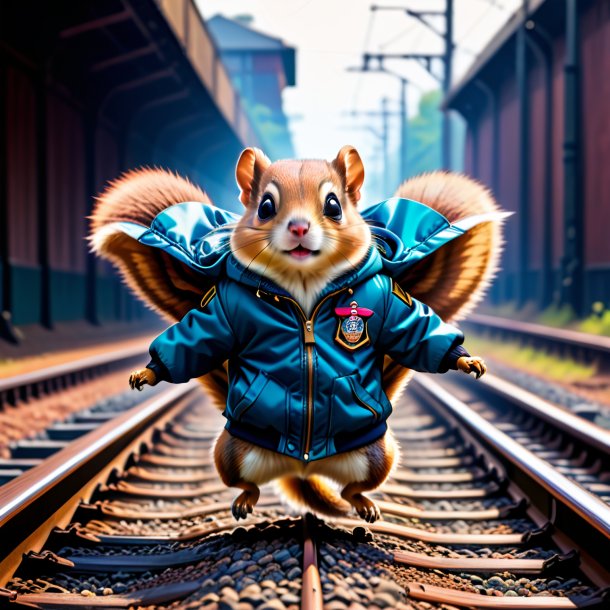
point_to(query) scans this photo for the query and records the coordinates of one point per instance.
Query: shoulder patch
(401, 294)
(208, 296)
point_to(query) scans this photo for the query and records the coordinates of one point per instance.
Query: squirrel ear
(250, 167)
(349, 164)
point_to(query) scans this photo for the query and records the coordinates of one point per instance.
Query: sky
(331, 35)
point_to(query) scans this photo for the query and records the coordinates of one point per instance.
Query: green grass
(528, 359)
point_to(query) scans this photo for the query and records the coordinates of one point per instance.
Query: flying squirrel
(303, 317)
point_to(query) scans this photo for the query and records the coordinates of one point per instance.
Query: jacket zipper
(309, 343)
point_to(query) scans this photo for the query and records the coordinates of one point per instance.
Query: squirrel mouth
(302, 252)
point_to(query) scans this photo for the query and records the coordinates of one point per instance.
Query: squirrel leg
(246, 466)
(380, 456)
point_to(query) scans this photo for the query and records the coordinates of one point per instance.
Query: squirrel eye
(332, 207)
(266, 208)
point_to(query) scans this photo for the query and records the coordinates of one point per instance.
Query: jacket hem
(268, 438)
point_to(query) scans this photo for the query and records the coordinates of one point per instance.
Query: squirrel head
(301, 227)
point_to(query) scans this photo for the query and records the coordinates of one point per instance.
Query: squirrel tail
(315, 494)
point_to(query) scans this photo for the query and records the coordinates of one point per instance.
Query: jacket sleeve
(414, 336)
(199, 343)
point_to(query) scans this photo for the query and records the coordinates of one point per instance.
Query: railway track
(132, 514)
(43, 411)
(20, 389)
(578, 345)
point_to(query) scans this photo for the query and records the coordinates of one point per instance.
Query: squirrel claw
(138, 379)
(242, 506)
(366, 508)
(472, 364)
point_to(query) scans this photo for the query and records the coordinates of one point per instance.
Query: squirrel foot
(244, 504)
(365, 507)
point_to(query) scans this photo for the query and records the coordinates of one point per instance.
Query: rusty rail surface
(54, 378)
(575, 426)
(568, 498)
(562, 488)
(35, 495)
(311, 592)
(164, 475)
(432, 593)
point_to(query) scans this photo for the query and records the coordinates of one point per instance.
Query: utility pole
(384, 131)
(426, 60)
(522, 280)
(572, 283)
(404, 126)
(404, 115)
(447, 74)
(385, 114)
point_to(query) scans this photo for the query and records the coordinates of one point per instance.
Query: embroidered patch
(352, 331)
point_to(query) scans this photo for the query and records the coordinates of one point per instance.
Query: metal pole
(4, 213)
(541, 44)
(448, 59)
(522, 283)
(6, 300)
(404, 125)
(90, 188)
(572, 281)
(45, 315)
(386, 164)
(498, 286)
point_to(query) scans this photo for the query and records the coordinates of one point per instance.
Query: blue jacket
(307, 387)
(297, 385)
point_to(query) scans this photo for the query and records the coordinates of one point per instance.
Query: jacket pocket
(352, 407)
(263, 404)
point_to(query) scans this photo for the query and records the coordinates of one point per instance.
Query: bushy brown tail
(454, 278)
(163, 283)
(139, 195)
(315, 494)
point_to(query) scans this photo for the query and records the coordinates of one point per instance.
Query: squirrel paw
(472, 364)
(243, 505)
(138, 379)
(366, 508)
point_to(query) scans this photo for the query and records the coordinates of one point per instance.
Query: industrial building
(530, 139)
(87, 91)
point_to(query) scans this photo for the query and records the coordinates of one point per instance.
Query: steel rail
(579, 500)
(69, 368)
(44, 488)
(311, 588)
(590, 434)
(572, 338)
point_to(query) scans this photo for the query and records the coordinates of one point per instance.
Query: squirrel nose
(298, 227)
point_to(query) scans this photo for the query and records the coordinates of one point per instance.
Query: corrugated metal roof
(491, 50)
(231, 35)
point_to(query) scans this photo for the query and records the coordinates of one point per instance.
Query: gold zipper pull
(309, 336)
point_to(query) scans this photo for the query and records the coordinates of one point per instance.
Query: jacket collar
(369, 266)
